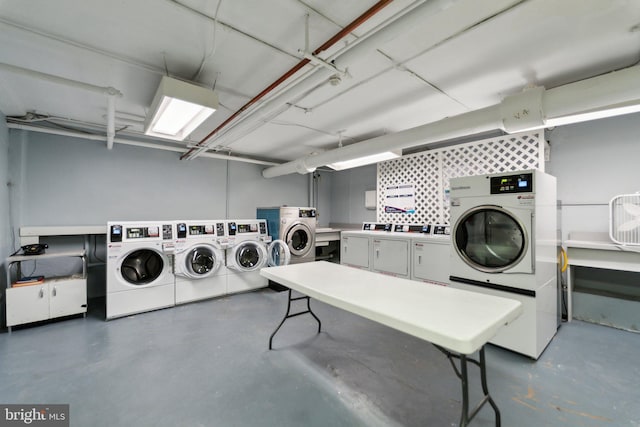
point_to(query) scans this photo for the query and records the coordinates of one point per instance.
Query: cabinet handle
(41, 293)
(419, 259)
(55, 291)
(377, 253)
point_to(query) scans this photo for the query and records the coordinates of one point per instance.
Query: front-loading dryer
(250, 248)
(295, 226)
(139, 267)
(503, 240)
(199, 266)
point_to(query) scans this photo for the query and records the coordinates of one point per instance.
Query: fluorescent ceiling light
(365, 160)
(593, 115)
(178, 108)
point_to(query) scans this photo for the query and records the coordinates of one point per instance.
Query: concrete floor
(207, 364)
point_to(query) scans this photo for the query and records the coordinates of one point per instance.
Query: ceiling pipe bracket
(322, 63)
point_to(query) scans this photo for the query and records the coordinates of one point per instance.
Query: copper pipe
(326, 45)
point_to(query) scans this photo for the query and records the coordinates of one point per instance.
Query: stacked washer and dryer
(504, 243)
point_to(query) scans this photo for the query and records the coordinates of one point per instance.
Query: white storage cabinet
(55, 297)
(390, 255)
(355, 250)
(430, 258)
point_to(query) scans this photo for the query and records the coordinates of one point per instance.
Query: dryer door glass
(299, 239)
(490, 239)
(142, 267)
(201, 261)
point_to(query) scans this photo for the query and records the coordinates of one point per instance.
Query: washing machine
(250, 248)
(294, 225)
(139, 267)
(199, 263)
(504, 243)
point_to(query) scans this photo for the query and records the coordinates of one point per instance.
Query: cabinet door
(355, 251)
(431, 262)
(27, 304)
(67, 297)
(391, 256)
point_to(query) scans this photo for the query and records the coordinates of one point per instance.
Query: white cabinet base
(53, 298)
(27, 304)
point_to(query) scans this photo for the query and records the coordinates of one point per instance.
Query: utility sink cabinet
(54, 297)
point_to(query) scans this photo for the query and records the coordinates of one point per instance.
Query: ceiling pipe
(326, 45)
(229, 27)
(110, 92)
(123, 141)
(401, 22)
(135, 62)
(531, 109)
(111, 121)
(467, 123)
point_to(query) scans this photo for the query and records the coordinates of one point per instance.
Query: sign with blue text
(400, 199)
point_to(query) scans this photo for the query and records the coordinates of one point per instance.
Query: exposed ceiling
(448, 58)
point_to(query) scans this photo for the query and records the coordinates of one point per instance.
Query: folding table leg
(288, 315)
(463, 375)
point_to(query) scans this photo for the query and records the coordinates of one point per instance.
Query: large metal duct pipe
(609, 94)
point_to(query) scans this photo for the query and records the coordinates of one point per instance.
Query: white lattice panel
(424, 172)
(430, 172)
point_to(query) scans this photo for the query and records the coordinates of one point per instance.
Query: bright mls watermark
(34, 415)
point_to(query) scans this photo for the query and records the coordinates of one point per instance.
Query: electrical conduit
(110, 92)
(333, 40)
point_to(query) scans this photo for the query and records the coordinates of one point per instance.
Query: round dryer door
(142, 267)
(249, 256)
(202, 261)
(279, 253)
(299, 239)
(490, 239)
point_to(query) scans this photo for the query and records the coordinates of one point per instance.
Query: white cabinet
(27, 304)
(414, 256)
(391, 256)
(355, 250)
(67, 296)
(430, 260)
(55, 297)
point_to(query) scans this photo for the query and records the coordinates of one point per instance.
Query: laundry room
(382, 213)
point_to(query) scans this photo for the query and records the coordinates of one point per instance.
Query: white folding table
(456, 322)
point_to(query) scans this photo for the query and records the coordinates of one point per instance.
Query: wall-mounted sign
(400, 199)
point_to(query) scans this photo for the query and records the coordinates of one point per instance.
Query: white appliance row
(153, 265)
(417, 252)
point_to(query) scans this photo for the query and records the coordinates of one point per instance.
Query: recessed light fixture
(178, 108)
